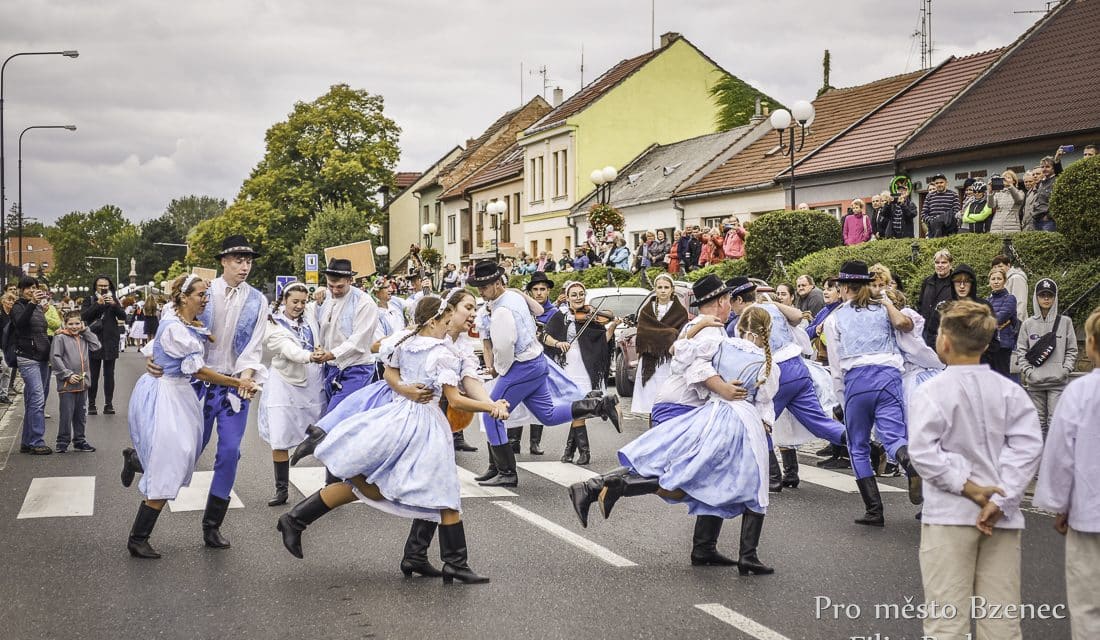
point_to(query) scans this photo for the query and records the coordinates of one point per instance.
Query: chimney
(758, 116)
(559, 96)
(766, 109)
(666, 38)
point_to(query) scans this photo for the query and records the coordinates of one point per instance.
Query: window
(424, 219)
(451, 229)
(538, 179)
(549, 246)
(534, 248)
(569, 243)
(505, 230)
(557, 175)
(561, 172)
(712, 222)
(438, 218)
(515, 208)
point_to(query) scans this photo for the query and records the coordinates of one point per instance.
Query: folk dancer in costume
(165, 414)
(294, 397)
(659, 325)
(538, 288)
(796, 385)
(513, 353)
(713, 458)
(580, 335)
(866, 365)
(399, 457)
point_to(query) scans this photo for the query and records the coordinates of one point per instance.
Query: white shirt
(394, 311)
(227, 305)
(354, 349)
(1068, 480)
(689, 362)
(971, 423)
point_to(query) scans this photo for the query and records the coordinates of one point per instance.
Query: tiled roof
(872, 141)
(403, 179)
(476, 144)
(836, 110)
(508, 164)
(1044, 86)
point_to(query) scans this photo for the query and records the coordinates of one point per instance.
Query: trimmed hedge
(792, 233)
(1075, 205)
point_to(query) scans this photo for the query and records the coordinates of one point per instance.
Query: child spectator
(974, 438)
(69, 359)
(1067, 487)
(1046, 382)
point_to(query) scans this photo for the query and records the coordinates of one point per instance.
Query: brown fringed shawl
(655, 337)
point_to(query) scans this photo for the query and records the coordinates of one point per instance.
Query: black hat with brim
(340, 267)
(708, 288)
(237, 245)
(854, 272)
(485, 272)
(538, 277)
(740, 284)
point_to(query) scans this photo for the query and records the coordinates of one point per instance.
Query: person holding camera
(1045, 371)
(1007, 203)
(733, 243)
(898, 214)
(101, 312)
(32, 350)
(1049, 168)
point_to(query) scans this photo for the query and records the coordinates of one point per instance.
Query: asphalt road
(69, 576)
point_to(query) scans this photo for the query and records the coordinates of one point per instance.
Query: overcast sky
(172, 99)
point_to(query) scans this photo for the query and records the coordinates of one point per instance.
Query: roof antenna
(582, 65)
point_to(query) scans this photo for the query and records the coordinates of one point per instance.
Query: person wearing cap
(941, 205)
(1045, 383)
(867, 364)
(513, 353)
(348, 322)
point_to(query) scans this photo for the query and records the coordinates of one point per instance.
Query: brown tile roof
(872, 141)
(835, 111)
(507, 165)
(1044, 86)
(405, 179)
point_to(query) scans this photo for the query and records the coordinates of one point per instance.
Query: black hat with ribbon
(340, 267)
(708, 288)
(485, 272)
(237, 245)
(854, 272)
(538, 277)
(740, 284)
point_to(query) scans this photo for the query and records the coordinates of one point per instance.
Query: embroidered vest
(512, 302)
(781, 329)
(864, 332)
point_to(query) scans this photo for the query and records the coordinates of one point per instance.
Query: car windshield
(621, 305)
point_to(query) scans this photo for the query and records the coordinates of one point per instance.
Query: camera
(1067, 148)
(997, 183)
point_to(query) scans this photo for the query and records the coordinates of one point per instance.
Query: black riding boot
(536, 440)
(282, 481)
(130, 465)
(506, 467)
(314, 436)
(461, 444)
(491, 472)
(605, 407)
(416, 550)
(515, 434)
(704, 544)
(138, 544)
(868, 490)
(212, 521)
(570, 447)
(580, 437)
(624, 486)
(775, 473)
(751, 525)
(916, 490)
(790, 467)
(583, 494)
(452, 550)
(294, 522)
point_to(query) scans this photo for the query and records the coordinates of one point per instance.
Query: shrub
(1075, 205)
(793, 234)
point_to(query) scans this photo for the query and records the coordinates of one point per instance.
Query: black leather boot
(878, 458)
(416, 550)
(314, 436)
(491, 472)
(461, 444)
(506, 468)
(330, 478)
(752, 524)
(570, 447)
(212, 521)
(605, 407)
(868, 490)
(282, 481)
(704, 543)
(790, 467)
(916, 488)
(515, 435)
(130, 466)
(583, 494)
(536, 440)
(452, 550)
(580, 437)
(624, 486)
(775, 473)
(138, 544)
(294, 522)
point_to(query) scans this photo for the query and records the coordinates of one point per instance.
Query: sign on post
(281, 282)
(312, 268)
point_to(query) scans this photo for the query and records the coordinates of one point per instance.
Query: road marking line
(59, 497)
(307, 480)
(561, 473)
(311, 479)
(838, 481)
(471, 489)
(740, 622)
(193, 498)
(584, 544)
(7, 442)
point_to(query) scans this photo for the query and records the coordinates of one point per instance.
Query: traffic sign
(311, 262)
(311, 277)
(281, 282)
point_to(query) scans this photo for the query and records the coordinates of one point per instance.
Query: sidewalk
(10, 426)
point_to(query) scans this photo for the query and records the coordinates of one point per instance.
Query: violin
(602, 316)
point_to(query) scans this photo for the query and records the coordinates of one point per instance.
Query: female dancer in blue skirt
(399, 457)
(165, 413)
(713, 458)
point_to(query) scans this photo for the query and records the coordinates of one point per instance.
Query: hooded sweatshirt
(1055, 371)
(965, 269)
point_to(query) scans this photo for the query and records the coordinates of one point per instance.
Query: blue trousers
(341, 383)
(36, 385)
(525, 382)
(873, 398)
(666, 411)
(231, 425)
(796, 394)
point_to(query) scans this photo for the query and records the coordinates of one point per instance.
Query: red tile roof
(405, 179)
(506, 166)
(872, 141)
(1044, 86)
(836, 110)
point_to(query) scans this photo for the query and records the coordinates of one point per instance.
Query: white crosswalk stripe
(740, 622)
(558, 531)
(835, 480)
(59, 497)
(310, 479)
(193, 498)
(561, 473)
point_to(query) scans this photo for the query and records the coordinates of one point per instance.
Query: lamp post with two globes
(603, 178)
(802, 114)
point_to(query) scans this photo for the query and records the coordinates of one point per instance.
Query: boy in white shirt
(974, 438)
(1067, 486)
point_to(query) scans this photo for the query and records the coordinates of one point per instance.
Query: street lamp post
(19, 192)
(428, 230)
(107, 258)
(3, 164)
(802, 114)
(496, 209)
(603, 178)
(382, 251)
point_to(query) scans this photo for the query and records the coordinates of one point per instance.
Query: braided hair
(276, 303)
(758, 321)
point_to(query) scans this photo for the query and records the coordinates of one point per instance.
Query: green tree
(736, 100)
(334, 225)
(182, 214)
(77, 235)
(268, 229)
